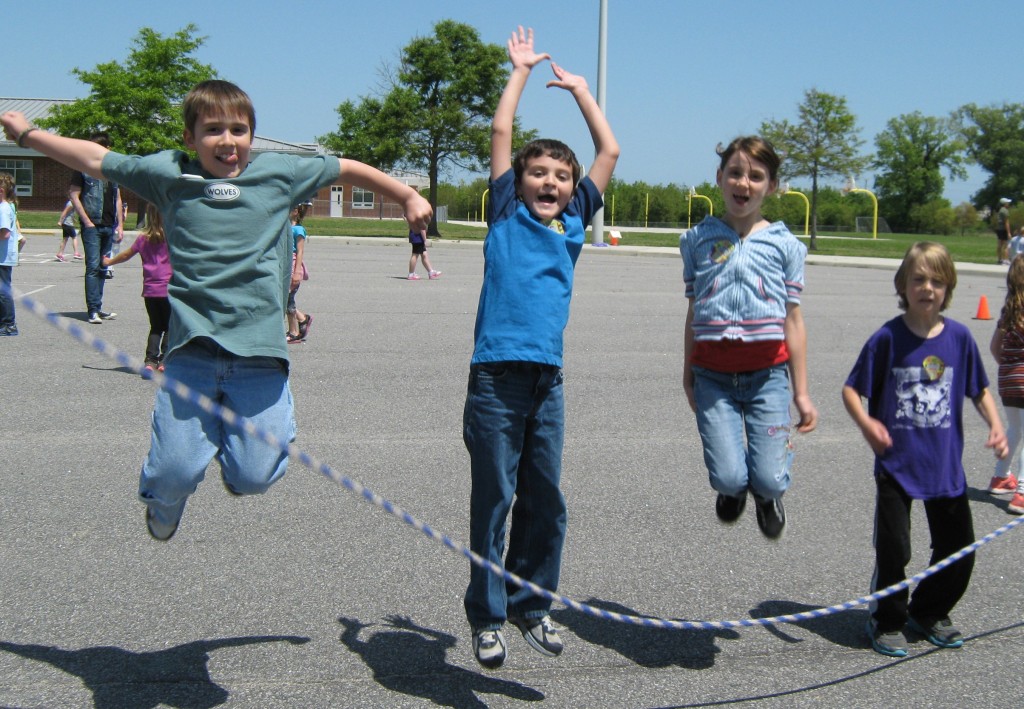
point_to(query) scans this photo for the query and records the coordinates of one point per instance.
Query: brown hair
(757, 148)
(1012, 317)
(936, 260)
(7, 184)
(545, 146)
(154, 229)
(216, 97)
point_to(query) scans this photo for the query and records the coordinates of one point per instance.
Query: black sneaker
(941, 633)
(159, 530)
(540, 633)
(890, 644)
(489, 648)
(304, 326)
(771, 517)
(729, 508)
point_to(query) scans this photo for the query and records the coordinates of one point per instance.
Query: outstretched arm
(417, 210)
(605, 145)
(523, 58)
(80, 155)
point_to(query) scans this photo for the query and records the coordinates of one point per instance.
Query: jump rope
(295, 453)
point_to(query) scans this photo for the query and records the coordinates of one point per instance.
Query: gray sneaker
(941, 633)
(540, 633)
(489, 648)
(891, 643)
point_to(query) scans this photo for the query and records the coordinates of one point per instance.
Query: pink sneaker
(60, 257)
(1002, 486)
(1016, 504)
(78, 257)
(434, 275)
(413, 277)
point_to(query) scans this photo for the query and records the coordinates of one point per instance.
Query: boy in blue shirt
(513, 423)
(229, 238)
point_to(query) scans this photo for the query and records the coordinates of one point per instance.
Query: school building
(42, 183)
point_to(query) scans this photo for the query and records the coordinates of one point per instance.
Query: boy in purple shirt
(915, 373)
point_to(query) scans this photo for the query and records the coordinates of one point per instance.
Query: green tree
(995, 141)
(911, 153)
(437, 112)
(137, 103)
(824, 142)
(966, 218)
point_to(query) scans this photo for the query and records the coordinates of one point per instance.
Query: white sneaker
(489, 648)
(94, 318)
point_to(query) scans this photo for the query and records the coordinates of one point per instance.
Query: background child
(9, 247)
(231, 257)
(66, 221)
(298, 322)
(418, 239)
(915, 372)
(151, 245)
(744, 278)
(513, 422)
(1007, 347)
(1016, 247)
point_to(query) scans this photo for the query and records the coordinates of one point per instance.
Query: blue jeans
(513, 427)
(185, 438)
(96, 243)
(6, 297)
(744, 424)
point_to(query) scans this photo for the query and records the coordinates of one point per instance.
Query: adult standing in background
(1003, 232)
(98, 204)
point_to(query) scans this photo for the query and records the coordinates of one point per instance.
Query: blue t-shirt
(298, 232)
(230, 242)
(916, 387)
(528, 275)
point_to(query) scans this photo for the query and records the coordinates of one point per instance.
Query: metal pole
(597, 223)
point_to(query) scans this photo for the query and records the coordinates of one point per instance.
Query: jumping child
(513, 422)
(745, 347)
(915, 372)
(227, 233)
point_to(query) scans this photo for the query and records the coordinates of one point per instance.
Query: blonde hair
(154, 228)
(1012, 316)
(935, 259)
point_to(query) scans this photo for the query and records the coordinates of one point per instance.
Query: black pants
(951, 527)
(159, 311)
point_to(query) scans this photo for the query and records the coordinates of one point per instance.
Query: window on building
(21, 170)
(361, 199)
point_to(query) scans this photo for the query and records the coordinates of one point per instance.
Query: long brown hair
(154, 228)
(1012, 317)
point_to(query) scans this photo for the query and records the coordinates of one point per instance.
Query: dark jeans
(96, 242)
(159, 311)
(6, 297)
(513, 427)
(951, 527)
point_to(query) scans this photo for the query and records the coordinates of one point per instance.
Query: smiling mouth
(547, 199)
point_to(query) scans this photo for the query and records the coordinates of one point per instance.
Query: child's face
(222, 143)
(744, 182)
(546, 187)
(925, 292)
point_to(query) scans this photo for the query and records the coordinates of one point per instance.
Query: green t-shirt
(229, 242)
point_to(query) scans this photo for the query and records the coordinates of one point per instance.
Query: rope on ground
(295, 453)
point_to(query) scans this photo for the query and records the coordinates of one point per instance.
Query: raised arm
(417, 210)
(523, 58)
(606, 147)
(80, 155)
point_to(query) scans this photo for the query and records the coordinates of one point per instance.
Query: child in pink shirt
(156, 272)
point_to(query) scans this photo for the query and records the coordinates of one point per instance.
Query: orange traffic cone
(983, 313)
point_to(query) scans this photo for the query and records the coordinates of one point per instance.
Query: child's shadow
(117, 678)
(646, 646)
(976, 494)
(412, 660)
(846, 628)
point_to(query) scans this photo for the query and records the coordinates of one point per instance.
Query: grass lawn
(973, 248)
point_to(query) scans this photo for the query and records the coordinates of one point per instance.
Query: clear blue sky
(682, 75)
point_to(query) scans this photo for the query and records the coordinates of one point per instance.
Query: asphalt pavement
(309, 596)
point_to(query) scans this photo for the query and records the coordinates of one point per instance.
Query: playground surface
(309, 596)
